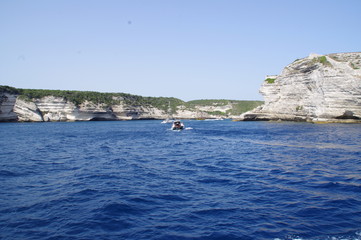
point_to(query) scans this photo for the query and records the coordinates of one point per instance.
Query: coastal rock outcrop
(319, 88)
(24, 105)
(52, 108)
(7, 103)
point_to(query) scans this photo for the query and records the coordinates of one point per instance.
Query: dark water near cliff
(218, 180)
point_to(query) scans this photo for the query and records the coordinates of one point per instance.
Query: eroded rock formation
(52, 108)
(317, 88)
(20, 108)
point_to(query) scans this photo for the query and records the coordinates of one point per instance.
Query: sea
(214, 180)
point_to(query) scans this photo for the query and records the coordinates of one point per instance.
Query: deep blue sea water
(216, 180)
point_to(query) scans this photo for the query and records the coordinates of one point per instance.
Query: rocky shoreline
(318, 89)
(92, 106)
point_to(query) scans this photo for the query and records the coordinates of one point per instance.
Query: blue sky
(188, 49)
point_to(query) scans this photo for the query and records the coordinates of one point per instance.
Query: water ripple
(217, 180)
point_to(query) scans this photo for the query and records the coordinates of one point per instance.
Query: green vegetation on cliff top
(323, 60)
(109, 99)
(270, 80)
(238, 106)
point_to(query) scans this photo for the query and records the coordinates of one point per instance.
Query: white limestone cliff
(50, 108)
(316, 88)
(27, 111)
(7, 103)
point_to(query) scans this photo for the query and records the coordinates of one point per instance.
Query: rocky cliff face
(52, 108)
(7, 103)
(14, 107)
(316, 88)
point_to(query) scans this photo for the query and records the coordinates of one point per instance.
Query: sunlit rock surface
(317, 89)
(14, 107)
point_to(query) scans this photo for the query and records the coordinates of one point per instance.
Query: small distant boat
(214, 119)
(177, 125)
(168, 120)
